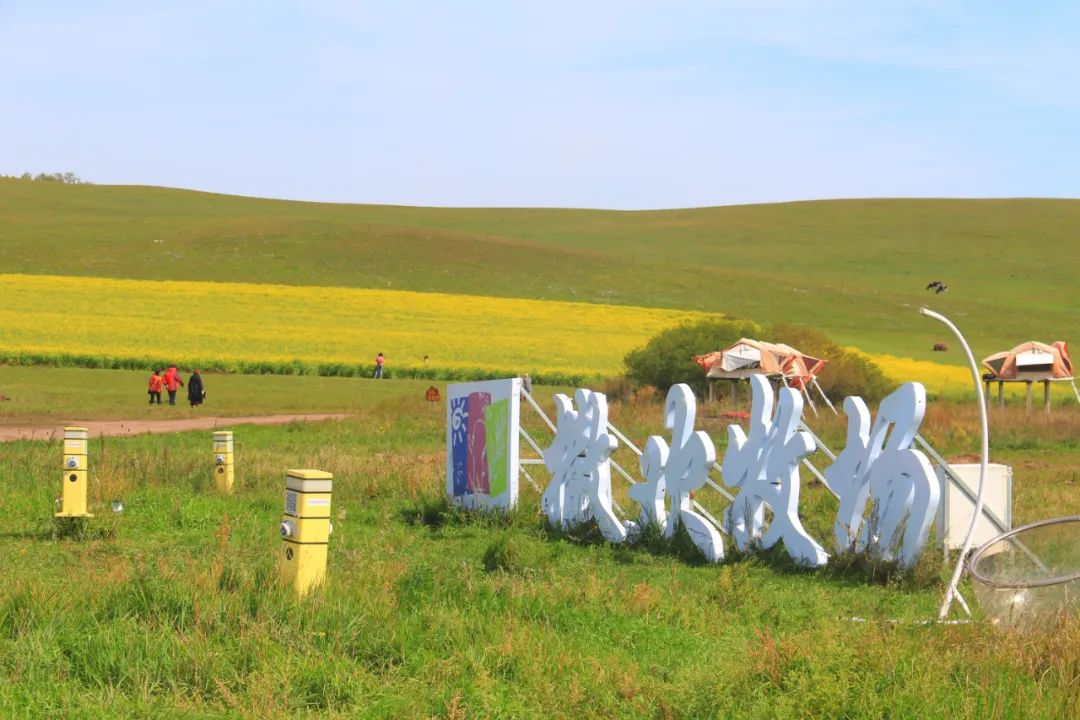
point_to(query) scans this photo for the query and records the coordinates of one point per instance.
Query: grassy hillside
(857, 269)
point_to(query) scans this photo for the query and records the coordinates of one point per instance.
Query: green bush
(845, 373)
(667, 359)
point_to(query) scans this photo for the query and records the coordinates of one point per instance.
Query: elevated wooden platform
(1028, 379)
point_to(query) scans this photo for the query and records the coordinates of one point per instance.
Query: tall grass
(286, 367)
(429, 612)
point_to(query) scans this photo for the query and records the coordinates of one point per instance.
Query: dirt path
(137, 427)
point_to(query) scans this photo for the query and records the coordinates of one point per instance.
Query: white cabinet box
(954, 513)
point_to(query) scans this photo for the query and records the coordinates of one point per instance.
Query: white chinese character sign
(888, 491)
(764, 466)
(569, 443)
(578, 458)
(482, 460)
(898, 481)
(676, 472)
(650, 494)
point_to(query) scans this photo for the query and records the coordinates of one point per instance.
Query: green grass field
(172, 609)
(70, 394)
(856, 269)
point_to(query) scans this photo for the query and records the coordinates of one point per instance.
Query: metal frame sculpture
(888, 491)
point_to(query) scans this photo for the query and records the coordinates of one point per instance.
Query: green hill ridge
(856, 269)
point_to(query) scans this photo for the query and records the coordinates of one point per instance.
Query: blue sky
(586, 104)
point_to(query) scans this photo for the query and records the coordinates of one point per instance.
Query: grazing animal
(941, 347)
(933, 285)
(941, 288)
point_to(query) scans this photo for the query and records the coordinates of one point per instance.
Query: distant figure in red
(379, 360)
(156, 383)
(172, 382)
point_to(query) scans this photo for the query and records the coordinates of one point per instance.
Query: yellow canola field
(189, 322)
(954, 381)
(939, 379)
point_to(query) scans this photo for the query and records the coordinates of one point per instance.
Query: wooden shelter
(777, 361)
(1030, 362)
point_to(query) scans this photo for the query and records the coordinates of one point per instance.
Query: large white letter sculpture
(765, 469)
(899, 480)
(677, 472)
(578, 458)
(651, 493)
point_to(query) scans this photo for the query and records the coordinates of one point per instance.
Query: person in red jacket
(172, 382)
(156, 383)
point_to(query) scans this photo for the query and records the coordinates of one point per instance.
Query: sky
(613, 104)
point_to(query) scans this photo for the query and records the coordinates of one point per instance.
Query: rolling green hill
(854, 268)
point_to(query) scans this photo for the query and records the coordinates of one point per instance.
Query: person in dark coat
(195, 391)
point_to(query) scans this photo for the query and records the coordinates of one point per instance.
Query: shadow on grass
(79, 528)
(48, 534)
(852, 568)
(869, 568)
(651, 540)
(848, 567)
(437, 512)
(680, 545)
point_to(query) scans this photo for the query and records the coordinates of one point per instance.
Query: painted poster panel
(482, 443)
(477, 461)
(458, 409)
(496, 426)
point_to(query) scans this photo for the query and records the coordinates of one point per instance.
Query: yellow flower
(197, 322)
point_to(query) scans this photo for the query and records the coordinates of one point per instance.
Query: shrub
(617, 389)
(667, 359)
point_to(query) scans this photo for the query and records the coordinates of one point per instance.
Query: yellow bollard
(305, 528)
(223, 461)
(76, 440)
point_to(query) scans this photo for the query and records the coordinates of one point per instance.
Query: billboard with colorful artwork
(482, 443)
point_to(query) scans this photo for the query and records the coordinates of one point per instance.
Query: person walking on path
(379, 360)
(172, 382)
(195, 391)
(156, 383)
